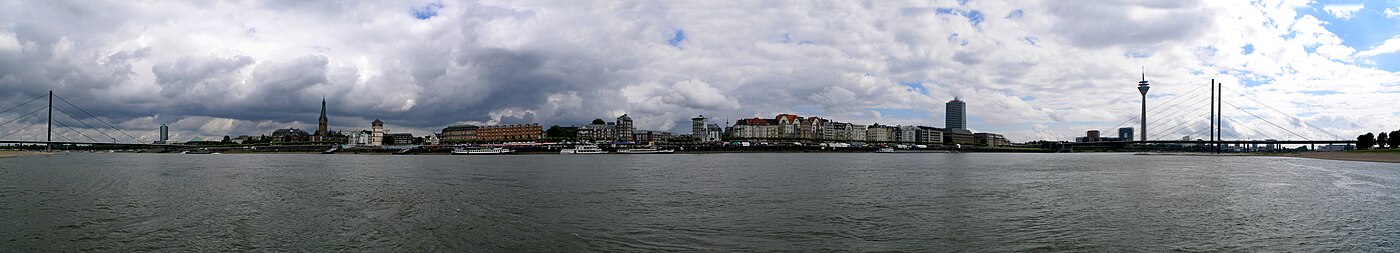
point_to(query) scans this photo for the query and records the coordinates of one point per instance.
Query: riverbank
(9, 154)
(1383, 156)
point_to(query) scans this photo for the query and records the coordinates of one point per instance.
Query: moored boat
(199, 152)
(584, 149)
(483, 151)
(645, 151)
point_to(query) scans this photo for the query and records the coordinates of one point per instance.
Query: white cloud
(1391, 45)
(1392, 12)
(1343, 11)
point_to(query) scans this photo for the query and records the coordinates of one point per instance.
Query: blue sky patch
(1136, 54)
(427, 11)
(1015, 14)
(1365, 29)
(676, 38)
(1319, 92)
(915, 86)
(974, 17)
(1030, 40)
(1248, 48)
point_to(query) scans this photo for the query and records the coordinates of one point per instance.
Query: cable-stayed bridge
(1222, 115)
(60, 124)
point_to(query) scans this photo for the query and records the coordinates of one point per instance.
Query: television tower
(1142, 88)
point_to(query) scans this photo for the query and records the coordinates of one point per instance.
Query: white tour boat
(645, 151)
(483, 151)
(583, 149)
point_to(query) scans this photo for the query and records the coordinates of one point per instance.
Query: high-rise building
(956, 114)
(322, 131)
(164, 133)
(1125, 133)
(624, 128)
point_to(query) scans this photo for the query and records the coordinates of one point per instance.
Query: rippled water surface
(709, 202)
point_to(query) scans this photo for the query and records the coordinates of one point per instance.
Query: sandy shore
(8, 154)
(1384, 157)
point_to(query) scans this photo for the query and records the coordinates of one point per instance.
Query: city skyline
(1032, 70)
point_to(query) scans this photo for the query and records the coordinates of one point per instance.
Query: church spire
(322, 131)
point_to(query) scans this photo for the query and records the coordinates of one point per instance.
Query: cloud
(1342, 11)
(1392, 12)
(1391, 45)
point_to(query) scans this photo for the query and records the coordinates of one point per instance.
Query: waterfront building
(1092, 135)
(290, 135)
(858, 133)
(651, 137)
(400, 139)
(164, 134)
(956, 115)
(713, 133)
(377, 132)
(989, 139)
(702, 131)
(624, 128)
(957, 136)
(1125, 133)
(906, 134)
(514, 132)
(929, 135)
(698, 129)
(459, 133)
(877, 133)
(606, 132)
(433, 139)
(359, 138)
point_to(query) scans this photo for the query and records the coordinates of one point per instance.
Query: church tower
(322, 131)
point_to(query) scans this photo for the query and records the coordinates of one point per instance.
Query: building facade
(989, 139)
(956, 114)
(164, 133)
(377, 132)
(624, 128)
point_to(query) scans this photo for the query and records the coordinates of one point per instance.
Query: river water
(700, 202)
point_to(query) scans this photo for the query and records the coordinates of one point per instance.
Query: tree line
(1383, 140)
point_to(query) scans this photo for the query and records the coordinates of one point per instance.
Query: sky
(1031, 70)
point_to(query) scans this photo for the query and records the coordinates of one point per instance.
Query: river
(695, 202)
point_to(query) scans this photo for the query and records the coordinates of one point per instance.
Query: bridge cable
(76, 130)
(85, 123)
(98, 119)
(1178, 127)
(1156, 109)
(17, 130)
(1246, 126)
(1175, 111)
(22, 104)
(1286, 114)
(20, 117)
(1267, 121)
(1168, 119)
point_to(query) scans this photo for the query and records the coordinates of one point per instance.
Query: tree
(599, 122)
(1394, 140)
(554, 131)
(1365, 141)
(1382, 140)
(226, 140)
